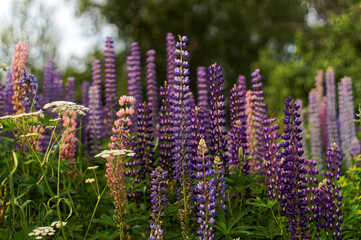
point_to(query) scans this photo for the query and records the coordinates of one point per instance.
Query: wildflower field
(170, 162)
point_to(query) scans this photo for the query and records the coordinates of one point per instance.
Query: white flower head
(57, 224)
(89, 180)
(39, 232)
(93, 167)
(113, 153)
(61, 107)
(21, 115)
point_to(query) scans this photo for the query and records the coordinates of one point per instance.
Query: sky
(76, 37)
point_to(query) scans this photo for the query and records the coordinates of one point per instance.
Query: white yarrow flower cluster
(57, 224)
(21, 115)
(89, 180)
(42, 231)
(93, 167)
(61, 107)
(114, 153)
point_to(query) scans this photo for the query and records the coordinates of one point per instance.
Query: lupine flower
(182, 152)
(206, 192)
(97, 75)
(329, 196)
(355, 147)
(170, 47)
(58, 89)
(347, 117)
(237, 137)
(272, 157)
(152, 90)
(332, 128)
(303, 128)
(319, 86)
(165, 129)
(159, 201)
(242, 84)
(18, 68)
(30, 89)
(95, 123)
(110, 83)
(315, 128)
(220, 183)
(49, 83)
(217, 132)
(134, 74)
(85, 93)
(70, 90)
(68, 147)
(202, 95)
(8, 90)
(292, 186)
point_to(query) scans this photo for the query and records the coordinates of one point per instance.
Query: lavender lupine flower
(256, 115)
(299, 102)
(319, 86)
(110, 83)
(331, 206)
(159, 201)
(292, 180)
(85, 102)
(346, 118)
(165, 129)
(97, 75)
(170, 47)
(70, 90)
(332, 128)
(323, 125)
(217, 124)
(144, 145)
(315, 128)
(355, 147)
(8, 90)
(272, 157)
(242, 83)
(134, 74)
(237, 137)
(182, 126)
(30, 91)
(202, 90)
(49, 83)
(152, 89)
(58, 90)
(206, 192)
(220, 182)
(95, 120)
(198, 128)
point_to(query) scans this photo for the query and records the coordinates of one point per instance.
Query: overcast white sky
(75, 37)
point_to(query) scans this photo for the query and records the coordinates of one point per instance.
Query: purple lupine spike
(70, 90)
(159, 201)
(332, 128)
(220, 182)
(292, 186)
(257, 114)
(237, 137)
(202, 99)
(110, 83)
(346, 117)
(182, 151)
(331, 206)
(144, 144)
(198, 128)
(59, 86)
(152, 92)
(94, 120)
(134, 74)
(97, 75)
(355, 147)
(85, 102)
(170, 47)
(165, 129)
(7, 105)
(217, 124)
(311, 188)
(299, 102)
(323, 125)
(272, 157)
(206, 192)
(30, 88)
(315, 128)
(242, 83)
(319, 86)
(49, 85)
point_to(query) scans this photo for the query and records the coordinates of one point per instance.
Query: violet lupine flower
(355, 147)
(152, 89)
(30, 91)
(182, 151)
(58, 91)
(332, 128)
(159, 201)
(165, 129)
(347, 117)
(323, 125)
(85, 102)
(217, 124)
(198, 128)
(292, 181)
(202, 89)
(315, 128)
(49, 83)
(144, 145)
(237, 137)
(220, 182)
(242, 83)
(18, 68)
(95, 122)
(70, 90)
(134, 74)
(110, 83)
(299, 102)
(206, 192)
(8, 90)
(97, 75)
(330, 208)
(84, 93)
(319, 86)
(170, 47)
(272, 157)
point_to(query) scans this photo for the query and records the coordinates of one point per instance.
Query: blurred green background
(288, 40)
